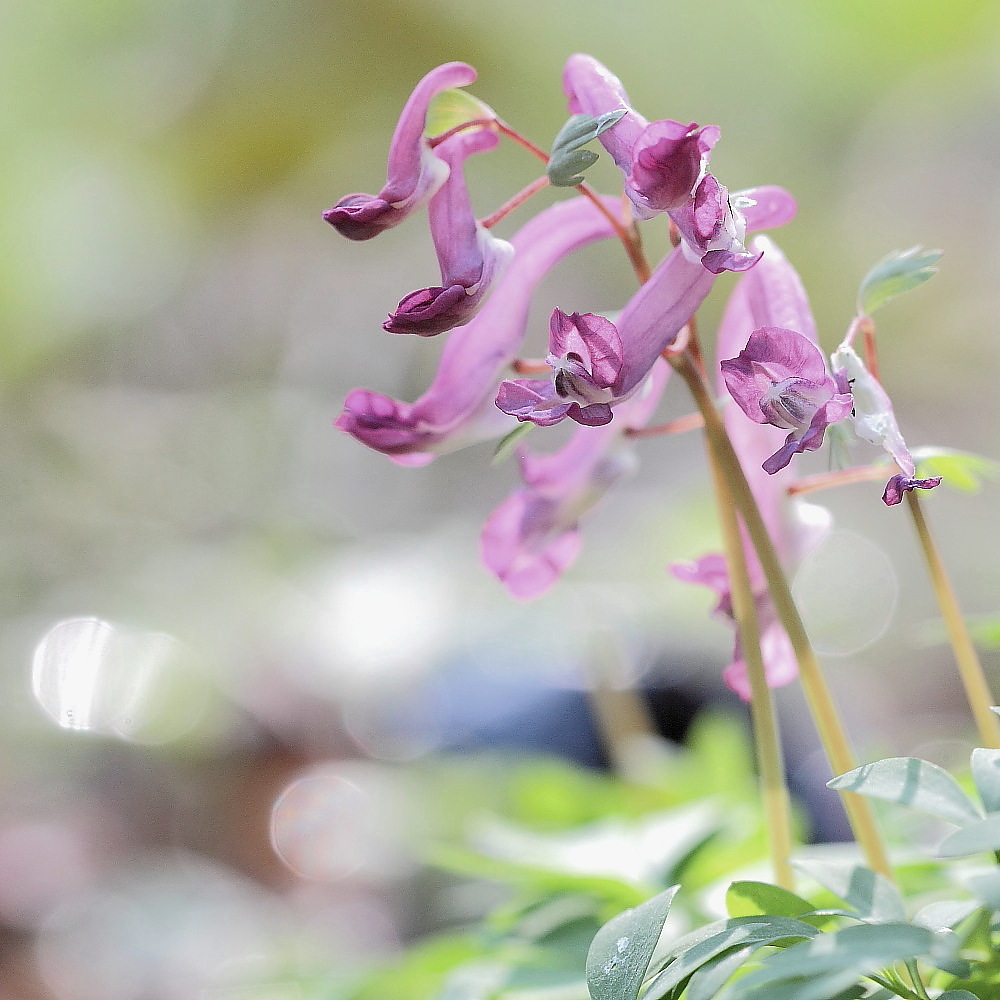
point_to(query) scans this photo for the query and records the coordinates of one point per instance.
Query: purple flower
(665, 168)
(470, 257)
(874, 421)
(770, 294)
(458, 408)
(602, 364)
(585, 353)
(534, 534)
(413, 172)
(780, 378)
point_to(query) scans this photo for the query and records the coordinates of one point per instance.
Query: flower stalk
(829, 726)
(970, 669)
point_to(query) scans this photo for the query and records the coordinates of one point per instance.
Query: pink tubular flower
(780, 378)
(533, 536)
(413, 172)
(457, 409)
(770, 294)
(470, 257)
(597, 364)
(665, 168)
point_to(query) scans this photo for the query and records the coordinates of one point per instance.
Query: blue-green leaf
(568, 159)
(830, 963)
(894, 274)
(957, 995)
(986, 776)
(870, 896)
(912, 782)
(975, 838)
(708, 943)
(944, 914)
(962, 470)
(621, 950)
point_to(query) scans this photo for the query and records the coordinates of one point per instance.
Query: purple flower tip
(668, 161)
(361, 216)
(900, 483)
(429, 311)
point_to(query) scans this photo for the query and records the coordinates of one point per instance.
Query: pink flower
(413, 172)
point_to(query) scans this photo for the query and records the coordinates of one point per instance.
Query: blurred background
(232, 637)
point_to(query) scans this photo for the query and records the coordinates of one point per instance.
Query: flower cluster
(607, 374)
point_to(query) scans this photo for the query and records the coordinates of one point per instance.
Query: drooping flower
(664, 165)
(413, 172)
(604, 363)
(471, 258)
(533, 536)
(458, 409)
(874, 421)
(780, 378)
(770, 294)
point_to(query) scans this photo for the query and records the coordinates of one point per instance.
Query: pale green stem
(767, 741)
(824, 712)
(977, 690)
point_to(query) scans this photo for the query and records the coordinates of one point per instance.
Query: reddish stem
(508, 206)
(843, 477)
(690, 422)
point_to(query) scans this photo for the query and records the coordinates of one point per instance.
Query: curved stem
(825, 716)
(977, 689)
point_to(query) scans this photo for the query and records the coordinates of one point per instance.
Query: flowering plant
(871, 925)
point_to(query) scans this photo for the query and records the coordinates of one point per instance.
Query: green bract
(894, 274)
(568, 159)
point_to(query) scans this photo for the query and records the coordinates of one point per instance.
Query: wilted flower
(413, 172)
(874, 421)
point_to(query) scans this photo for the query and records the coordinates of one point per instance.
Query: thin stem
(767, 741)
(511, 203)
(977, 689)
(689, 422)
(825, 716)
(842, 477)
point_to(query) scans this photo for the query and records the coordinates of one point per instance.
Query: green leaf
(568, 159)
(982, 835)
(912, 782)
(894, 274)
(957, 995)
(962, 470)
(451, 108)
(744, 899)
(871, 896)
(506, 444)
(708, 943)
(705, 982)
(831, 963)
(985, 765)
(622, 948)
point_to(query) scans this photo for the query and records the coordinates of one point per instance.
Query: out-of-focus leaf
(744, 899)
(912, 782)
(985, 764)
(452, 108)
(707, 943)
(870, 896)
(894, 274)
(975, 838)
(568, 159)
(962, 470)
(622, 948)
